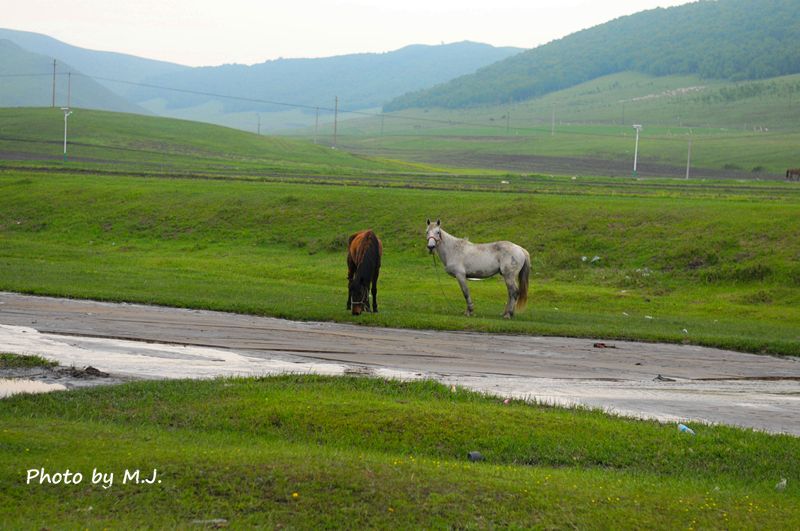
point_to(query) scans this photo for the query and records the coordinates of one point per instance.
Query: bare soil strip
(662, 381)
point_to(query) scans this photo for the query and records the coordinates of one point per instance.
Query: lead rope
(439, 281)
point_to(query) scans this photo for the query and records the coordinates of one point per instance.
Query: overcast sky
(213, 32)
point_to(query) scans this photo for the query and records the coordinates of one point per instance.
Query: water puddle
(9, 386)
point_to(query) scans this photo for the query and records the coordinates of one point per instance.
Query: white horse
(464, 260)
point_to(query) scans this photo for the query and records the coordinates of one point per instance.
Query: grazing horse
(364, 251)
(793, 174)
(464, 260)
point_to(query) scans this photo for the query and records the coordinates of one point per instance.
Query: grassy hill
(128, 142)
(727, 39)
(746, 129)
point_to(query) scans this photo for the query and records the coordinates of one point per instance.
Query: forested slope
(726, 39)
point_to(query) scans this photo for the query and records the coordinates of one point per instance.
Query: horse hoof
(507, 316)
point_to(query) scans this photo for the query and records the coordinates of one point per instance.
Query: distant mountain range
(360, 81)
(724, 39)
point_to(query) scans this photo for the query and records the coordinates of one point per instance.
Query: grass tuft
(16, 361)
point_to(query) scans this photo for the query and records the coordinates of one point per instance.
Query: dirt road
(696, 384)
(612, 167)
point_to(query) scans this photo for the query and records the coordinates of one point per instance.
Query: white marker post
(67, 112)
(638, 128)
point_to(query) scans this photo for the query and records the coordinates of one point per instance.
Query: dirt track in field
(136, 341)
(557, 165)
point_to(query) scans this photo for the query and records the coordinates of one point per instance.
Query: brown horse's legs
(375, 290)
(351, 269)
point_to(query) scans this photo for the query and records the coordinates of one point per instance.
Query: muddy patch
(46, 379)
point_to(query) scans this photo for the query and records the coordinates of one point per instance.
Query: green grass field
(313, 452)
(710, 265)
(187, 215)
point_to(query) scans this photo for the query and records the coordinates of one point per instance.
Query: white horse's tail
(523, 277)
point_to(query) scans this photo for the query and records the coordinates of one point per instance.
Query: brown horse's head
(359, 295)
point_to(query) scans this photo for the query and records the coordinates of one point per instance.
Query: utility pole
(54, 85)
(259, 123)
(636, 149)
(689, 158)
(316, 126)
(335, 120)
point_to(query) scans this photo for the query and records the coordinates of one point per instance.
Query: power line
(54, 84)
(337, 110)
(29, 75)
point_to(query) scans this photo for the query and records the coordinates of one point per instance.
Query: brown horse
(364, 251)
(793, 174)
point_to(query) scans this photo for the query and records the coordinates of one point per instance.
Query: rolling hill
(743, 130)
(117, 142)
(93, 63)
(26, 81)
(360, 80)
(726, 39)
(231, 94)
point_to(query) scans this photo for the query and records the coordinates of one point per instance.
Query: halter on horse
(364, 251)
(464, 260)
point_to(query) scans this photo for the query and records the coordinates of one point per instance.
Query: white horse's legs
(510, 272)
(462, 281)
(513, 293)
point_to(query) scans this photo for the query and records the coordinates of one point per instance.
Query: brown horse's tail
(523, 277)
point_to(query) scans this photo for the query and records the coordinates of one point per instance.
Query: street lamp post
(638, 128)
(67, 112)
(689, 158)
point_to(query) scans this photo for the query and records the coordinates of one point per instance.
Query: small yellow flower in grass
(391, 510)
(295, 495)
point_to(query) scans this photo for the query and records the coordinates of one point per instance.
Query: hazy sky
(213, 32)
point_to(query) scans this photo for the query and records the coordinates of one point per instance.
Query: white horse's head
(433, 234)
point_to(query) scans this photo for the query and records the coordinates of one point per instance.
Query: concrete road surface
(135, 341)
